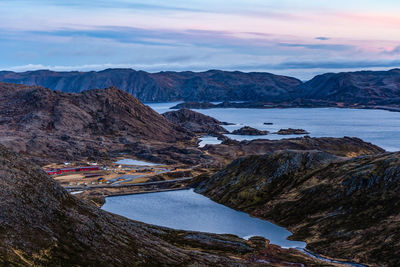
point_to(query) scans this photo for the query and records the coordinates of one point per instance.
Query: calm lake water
(187, 210)
(135, 162)
(379, 127)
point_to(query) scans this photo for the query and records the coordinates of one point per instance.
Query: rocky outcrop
(43, 225)
(291, 131)
(49, 124)
(247, 130)
(213, 85)
(196, 122)
(345, 147)
(343, 208)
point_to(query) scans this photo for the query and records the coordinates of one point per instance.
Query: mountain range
(211, 85)
(348, 88)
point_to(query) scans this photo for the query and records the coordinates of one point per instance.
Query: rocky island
(291, 131)
(247, 130)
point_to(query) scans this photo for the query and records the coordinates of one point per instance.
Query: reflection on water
(187, 210)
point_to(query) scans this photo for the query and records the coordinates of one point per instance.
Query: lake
(379, 127)
(187, 210)
(135, 162)
(209, 140)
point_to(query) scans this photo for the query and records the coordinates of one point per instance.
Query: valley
(199, 133)
(102, 148)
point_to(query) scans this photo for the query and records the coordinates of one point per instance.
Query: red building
(70, 170)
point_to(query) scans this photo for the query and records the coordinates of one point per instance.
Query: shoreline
(147, 192)
(249, 105)
(306, 251)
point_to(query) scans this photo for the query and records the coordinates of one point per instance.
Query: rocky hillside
(195, 121)
(211, 85)
(38, 121)
(43, 225)
(344, 147)
(362, 87)
(342, 208)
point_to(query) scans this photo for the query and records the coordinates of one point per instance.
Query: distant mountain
(213, 85)
(38, 121)
(347, 88)
(362, 87)
(343, 208)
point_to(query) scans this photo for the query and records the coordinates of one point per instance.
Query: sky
(288, 37)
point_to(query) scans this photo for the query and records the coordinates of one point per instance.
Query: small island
(290, 131)
(247, 130)
(268, 123)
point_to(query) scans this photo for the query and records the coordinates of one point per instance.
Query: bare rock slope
(38, 121)
(343, 208)
(195, 121)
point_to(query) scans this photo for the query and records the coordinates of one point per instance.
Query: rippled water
(187, 210)
(379, 127)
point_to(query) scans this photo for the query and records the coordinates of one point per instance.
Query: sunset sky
(297, 38)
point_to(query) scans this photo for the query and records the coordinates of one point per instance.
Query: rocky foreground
(343, 208)
(43, 225)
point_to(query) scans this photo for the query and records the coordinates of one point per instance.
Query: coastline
(256, 105)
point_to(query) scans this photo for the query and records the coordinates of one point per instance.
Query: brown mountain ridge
(359, 88)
